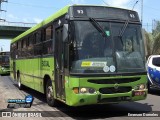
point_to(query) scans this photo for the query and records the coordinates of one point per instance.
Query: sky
(34, 11)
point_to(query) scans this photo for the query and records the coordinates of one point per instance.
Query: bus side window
(23, 52)
(38, 43)
(30, 51)
(47, 45)
(19, 48)
(48, 33)
(16, 48)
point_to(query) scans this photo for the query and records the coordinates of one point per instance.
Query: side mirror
(65, 32)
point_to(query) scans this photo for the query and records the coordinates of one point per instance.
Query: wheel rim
(19, 83)
(49, 93)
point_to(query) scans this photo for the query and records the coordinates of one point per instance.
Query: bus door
(14, 69)
(59, 64)
(14, 64)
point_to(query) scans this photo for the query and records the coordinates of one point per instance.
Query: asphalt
(126, 111)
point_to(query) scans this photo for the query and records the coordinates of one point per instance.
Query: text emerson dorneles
(143, 115)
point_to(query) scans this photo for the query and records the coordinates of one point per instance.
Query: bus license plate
(139, 93)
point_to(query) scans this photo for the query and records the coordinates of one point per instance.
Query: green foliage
(156, 44)
(157, 29)
(152, 41)
(148, 43)
(156, 40)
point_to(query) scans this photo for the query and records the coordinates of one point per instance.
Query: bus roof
(44, 22)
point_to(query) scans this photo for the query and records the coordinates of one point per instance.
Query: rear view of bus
(107, 61)
(4, 63)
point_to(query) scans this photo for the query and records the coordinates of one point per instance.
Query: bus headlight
(140, 87)
(2, 68)
(87, 90)
(84, 90)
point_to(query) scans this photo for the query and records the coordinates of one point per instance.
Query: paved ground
(9, 90)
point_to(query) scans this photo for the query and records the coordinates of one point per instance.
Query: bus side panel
(32, 71)
(24, 67)
(37, 77)
(46, 69)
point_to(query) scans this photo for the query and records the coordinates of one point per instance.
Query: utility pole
(135, 4)
(141, 11)
(105, 3)
(2, 48)
(1, 1)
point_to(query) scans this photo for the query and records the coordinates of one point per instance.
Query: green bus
(81, 55)
(4, 63)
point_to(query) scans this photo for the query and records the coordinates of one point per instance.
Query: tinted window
(47, 45)
(24, 48)
(38, 37)
(156, 61)
(30, 51)
(38, 43)
(13, 50)
(49, 33)
(19, 49)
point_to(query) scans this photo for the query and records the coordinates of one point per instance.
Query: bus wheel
(49, 94)
(148, 86)
(20, 86)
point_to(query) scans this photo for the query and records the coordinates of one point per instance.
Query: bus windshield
(4, 60)
(115, 53)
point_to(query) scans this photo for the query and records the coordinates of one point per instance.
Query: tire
(49, 95)
(20, 86)
(148, 86)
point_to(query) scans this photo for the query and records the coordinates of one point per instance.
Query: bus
(4, 63)
(83, 55)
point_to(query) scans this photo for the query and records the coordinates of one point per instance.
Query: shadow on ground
(94, 111)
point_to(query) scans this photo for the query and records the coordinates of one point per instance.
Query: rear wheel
(50, 94)
(20, 86)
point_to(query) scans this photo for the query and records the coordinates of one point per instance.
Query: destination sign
(4, 53)
(103, 12)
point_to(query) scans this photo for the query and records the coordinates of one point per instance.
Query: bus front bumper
(4, 71)
(98, 98)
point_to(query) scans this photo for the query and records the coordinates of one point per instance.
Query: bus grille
(112, 90)
(6, 66)
(115, 99)
(113, 81)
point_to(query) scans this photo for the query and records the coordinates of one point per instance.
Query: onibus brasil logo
(21, 103)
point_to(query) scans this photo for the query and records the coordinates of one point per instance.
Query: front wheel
(50, 94)
(148, 86)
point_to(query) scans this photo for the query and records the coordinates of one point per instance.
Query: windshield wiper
(124, 28)
(98, 27)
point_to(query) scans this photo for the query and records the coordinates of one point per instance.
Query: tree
(148, 43)
(156, 44)
(157, 29)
